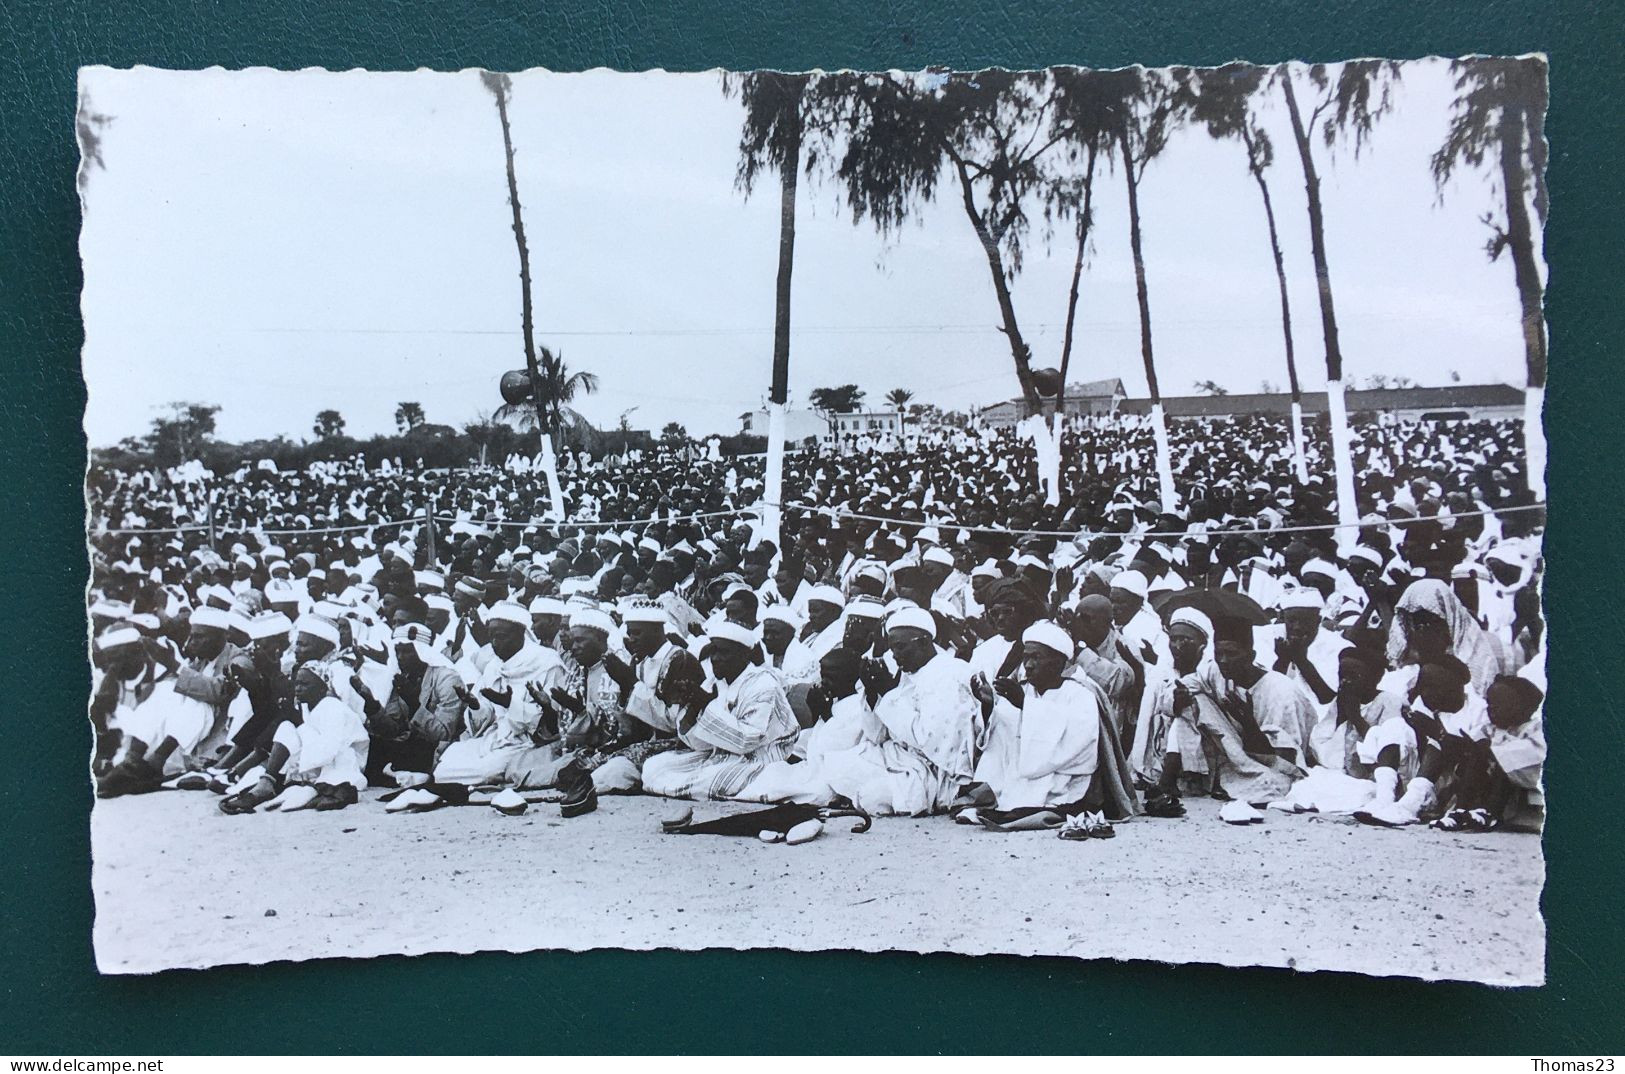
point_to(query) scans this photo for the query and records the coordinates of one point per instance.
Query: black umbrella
(779, 818)
(1216, 604)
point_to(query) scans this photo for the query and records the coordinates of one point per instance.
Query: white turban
(592, 619)
(217, 618)
(547, 606)
(317, 627)
(421, 639)
(914, 618)
(269, 625)
(828, 594)
(1051, 636)
(508, 611)
(117, 637)
(1192, 618)
(1303, 597)
(728, 630)
(1133, 582)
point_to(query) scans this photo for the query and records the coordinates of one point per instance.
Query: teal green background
(726, 1001)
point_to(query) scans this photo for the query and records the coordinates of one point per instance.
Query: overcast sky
(282, 243)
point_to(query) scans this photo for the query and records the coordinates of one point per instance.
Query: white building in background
(831, 430)
(875, 424)
(799, 425)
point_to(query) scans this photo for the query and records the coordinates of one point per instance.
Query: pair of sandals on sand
(1070, 826)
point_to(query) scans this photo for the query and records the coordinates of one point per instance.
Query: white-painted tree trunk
(550, 467)
(1165, 462)
(1342, 464)
(1534, 439)
(1047, 450)
(773, 485)
(1299, 460)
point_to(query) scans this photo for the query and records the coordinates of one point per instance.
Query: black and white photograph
(1063, 512)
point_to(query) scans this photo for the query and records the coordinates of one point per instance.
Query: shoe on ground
(509, 802)
(1240, 813)
(805, 832)
(1386, 815)
(409, 798)
(581, 800)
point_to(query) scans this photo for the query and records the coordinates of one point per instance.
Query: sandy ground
(179, 884)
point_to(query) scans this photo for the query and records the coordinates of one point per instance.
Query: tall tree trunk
(1299, 462)
(1342, 461)
(778, 393)
(1159, 420)
(1521, 246)
(1050, 460)
(1007, 309)
(527, 324)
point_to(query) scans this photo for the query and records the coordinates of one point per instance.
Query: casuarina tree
(1222, 100)
(1498, 124)
(1341, 106)
(1135, 110)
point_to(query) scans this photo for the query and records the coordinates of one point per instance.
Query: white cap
(269, 625)
(1132, 581)
(728, 630)
(318, 627)
(593, 619)
(1051, 636)
(913, 617)
(507, 611)
(218, 618)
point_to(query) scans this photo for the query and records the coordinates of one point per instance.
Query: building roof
(1445, 397)
(1078, 390)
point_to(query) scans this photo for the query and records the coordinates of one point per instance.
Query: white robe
(1044, 753)
(932, 724)
(497, 735)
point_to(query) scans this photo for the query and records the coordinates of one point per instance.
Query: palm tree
(1134, 109)
(1221, 99)
(775, 123)
(500, 87)
(898, 399)
(1499, 116)
(1350, 104)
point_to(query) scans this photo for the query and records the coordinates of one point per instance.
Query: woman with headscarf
(1430, 621)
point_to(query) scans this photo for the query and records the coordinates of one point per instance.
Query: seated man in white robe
(1187, 741)
(1043, 739)
(734, 726)
(183, 717)
(503, 715)
(932, 722)
(842, 720)
(1446, 723)
(128, 668)
(650, 726)
(1281, 709)
(1498, 783)
(317, 762)
(1102, 660)
(1300, 647)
